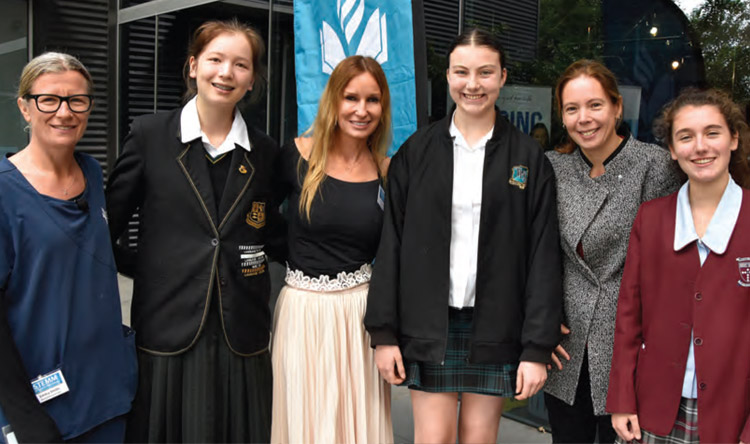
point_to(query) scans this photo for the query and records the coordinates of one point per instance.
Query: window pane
(648, 44)
(13, 57)
(152, 67)
(282, 87)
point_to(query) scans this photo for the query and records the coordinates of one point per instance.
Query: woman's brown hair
(595, 70)
(477, 37)
(739, 167)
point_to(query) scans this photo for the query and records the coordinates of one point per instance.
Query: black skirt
(456, 374)
(207, 394)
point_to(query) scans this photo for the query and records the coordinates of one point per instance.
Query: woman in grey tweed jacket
(602, 178)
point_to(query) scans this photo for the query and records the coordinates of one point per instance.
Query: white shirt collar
(722, 223)
(190, 129)
(458, 138)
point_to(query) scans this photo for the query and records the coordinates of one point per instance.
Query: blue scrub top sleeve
(18, 404)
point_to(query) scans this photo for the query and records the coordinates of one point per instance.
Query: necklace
(350, 166)
(72, 181)
(65, 189)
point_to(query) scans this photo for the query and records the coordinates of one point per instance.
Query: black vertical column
(420, 61)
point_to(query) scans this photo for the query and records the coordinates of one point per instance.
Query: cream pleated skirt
(326, 387)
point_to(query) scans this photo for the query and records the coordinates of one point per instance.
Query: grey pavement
(403, 422)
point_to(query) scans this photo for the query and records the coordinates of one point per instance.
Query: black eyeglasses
(50, 103)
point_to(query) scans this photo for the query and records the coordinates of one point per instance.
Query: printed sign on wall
(525, 106)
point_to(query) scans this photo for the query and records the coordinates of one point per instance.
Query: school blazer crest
(193, 251)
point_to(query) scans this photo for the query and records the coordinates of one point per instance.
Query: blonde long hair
(325, 125)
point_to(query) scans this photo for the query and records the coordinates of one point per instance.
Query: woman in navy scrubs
(60, 319)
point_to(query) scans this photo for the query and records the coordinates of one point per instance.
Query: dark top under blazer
(186, 250)
(518, 306)
(666, 294)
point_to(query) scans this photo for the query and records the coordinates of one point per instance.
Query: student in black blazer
(200, 179)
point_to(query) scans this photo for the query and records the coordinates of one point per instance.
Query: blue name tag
(381, 197)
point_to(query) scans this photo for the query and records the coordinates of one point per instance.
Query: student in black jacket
(201, 181)
(467, 280)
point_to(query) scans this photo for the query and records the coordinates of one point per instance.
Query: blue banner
(328, 31)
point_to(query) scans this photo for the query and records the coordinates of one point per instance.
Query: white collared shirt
(715, 240)
(468, 168)
(190, 129)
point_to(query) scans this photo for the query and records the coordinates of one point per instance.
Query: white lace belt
(342, 281)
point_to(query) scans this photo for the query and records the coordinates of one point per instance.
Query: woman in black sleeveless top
(326, 386)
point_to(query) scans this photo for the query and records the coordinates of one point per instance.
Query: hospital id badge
(49, 386)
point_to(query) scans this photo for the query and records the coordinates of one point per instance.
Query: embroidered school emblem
(519, 176)
(256, 217)
(743, 263)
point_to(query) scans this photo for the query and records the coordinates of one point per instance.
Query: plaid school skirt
(684, 431)
(456, 374)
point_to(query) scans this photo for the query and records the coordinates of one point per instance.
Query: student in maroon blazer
(681, 364)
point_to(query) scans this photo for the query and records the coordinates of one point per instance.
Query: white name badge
(9, 436)
(49, 386)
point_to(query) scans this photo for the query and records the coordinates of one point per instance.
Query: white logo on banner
(374, 40)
